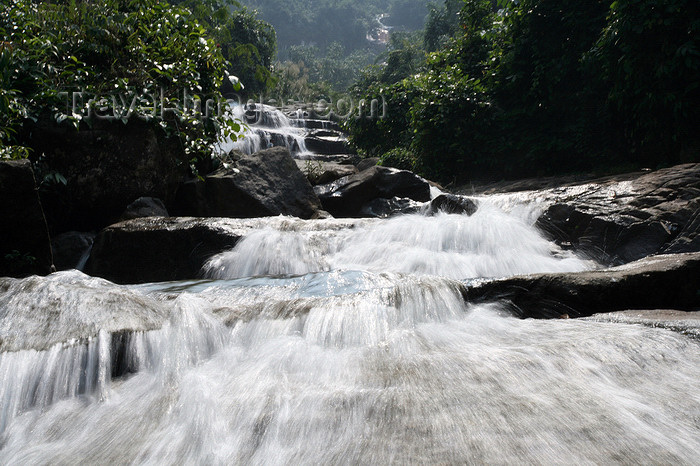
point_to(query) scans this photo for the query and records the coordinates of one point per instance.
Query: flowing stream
(266, 127)
(350, 346)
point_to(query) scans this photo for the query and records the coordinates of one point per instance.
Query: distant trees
(324, 43)
(544, 86)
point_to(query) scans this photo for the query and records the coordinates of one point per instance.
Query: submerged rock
(346, 197)
(267, 183)
(659, 282)
(25, 248)
(685, 322)
(38, 312)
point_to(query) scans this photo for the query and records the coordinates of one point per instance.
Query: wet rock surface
(452, 204)
(320, 172)
(346, 196)
(327, 142)
(617, 220)
(660, 282)
(685, 322)
(157, 249)
(80, 307)
(384, 208)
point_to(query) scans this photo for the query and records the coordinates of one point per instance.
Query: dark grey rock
(452, 204)
(327, 144)
(145, 207)
(157, 249)
(346, 197)
(71, 249)
(366, 163)
(616, 221)
(384, 208)
(658, 282)
(267, 183)
(319, 172)
(687, 239)
(25, 248)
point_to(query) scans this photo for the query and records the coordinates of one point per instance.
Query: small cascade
(266, 127)
(37, 379)
(361, 368)
(340, 342)
(40, 376)
(490, 243)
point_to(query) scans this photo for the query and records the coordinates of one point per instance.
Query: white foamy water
(339, 346)
(490, 243)
(269, 127)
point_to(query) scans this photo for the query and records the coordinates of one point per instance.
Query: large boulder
(157, 249)
(145, 207)
(267, 183)
(320, 172)
(452, 204)
(346, 197)
(659, 282)
(327, 142)
(106, 167)
(618, 221)
(25, 248)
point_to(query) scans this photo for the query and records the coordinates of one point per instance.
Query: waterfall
(348, 345)
(489, 244)
(266, 127)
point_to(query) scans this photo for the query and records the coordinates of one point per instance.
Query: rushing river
(352, 347)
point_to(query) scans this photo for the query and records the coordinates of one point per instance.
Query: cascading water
(351, 345)
(266, 127)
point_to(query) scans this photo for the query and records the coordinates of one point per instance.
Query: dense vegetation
(540, 87)
(487, 89)
(134, 50)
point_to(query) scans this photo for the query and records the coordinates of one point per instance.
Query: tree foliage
(247, 42)
(546, 86)
(136, 49)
